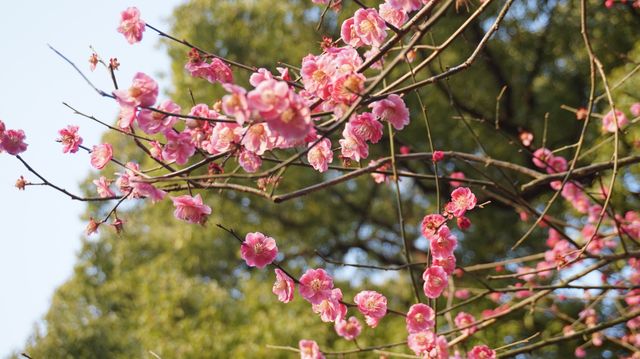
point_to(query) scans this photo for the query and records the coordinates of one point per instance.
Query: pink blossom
(405, 5)
(369, 27)
(635, 109)
(481, 352)
(463, 223)
(258, 138)
(102, 186)
(309, 350)
(443, 244)
(101, 155)
(283, 287)
(352, 147)
(456, 175)
(191, 209)
(372, 304)
(348, 33)
(249, 161)
(348, 329)
(70, 139)
(224, 137)
(447, 262)
(462, 293)
(541, 157)
(215, 71)
(156, 150)
(12, 141)
(331, 309)
(142, 92)
(463, 320)
(153, 122)
(392, 109)
(431, 223)
(178, 148)
(347, 88)
(315, 285)
(556, 164)
(131, 26)
(435, 280)
(393, 16)
(259, 76)
(294, 122)
(379, 177)
(425, 344)
(320, 155)
(609, 121)
(131, 184)
(365, 127)
(437, 156)
(235, 103)
(462, 200)
(258, 250)
(420, 318)
(579, 352)
(270, 98)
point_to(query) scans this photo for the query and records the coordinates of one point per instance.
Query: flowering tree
(343, 113)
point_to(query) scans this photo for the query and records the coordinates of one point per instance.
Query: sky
(41, 228)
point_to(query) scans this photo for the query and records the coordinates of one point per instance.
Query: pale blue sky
(41, 229)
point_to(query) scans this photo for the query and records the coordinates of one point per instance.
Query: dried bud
(326, 42)
(92, 227)
(411, 55)
(93, 61)
(215, 169)
(118, 224)
(21, 183)
(581, 114)
(194, 56)
(113, 63)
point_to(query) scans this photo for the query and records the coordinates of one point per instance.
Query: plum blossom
(435, 280)
(420, 318)
(131, 185)
(392, 15)
(315, 285)
(191, 209)
(609, 121)
(102, 186)
(235, 103)
(369, 27)
(481, 352)
(635, 109)
(427, 345)
(392, 109)
(153, 122)
(353, 147)
(101, 155)
(249, 161)
(320, 155)
(178, 148)
(437, 156)
(373, 305)
(258, 250)
(258, 138)
(405, 5)
(431, 223)
(131, 26)
(214, 71)
(463, 223)
(464, 319)
(270, 98)
(348, 33)
(283, 286)
(142, 92)
(309, 350)
(447, 262)
(365, 127)
(462, 200)
(70, 139)
(443, 244)
(12, 141)
(348, 329)
(541, 157)
(331, 308)
(456, 175)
